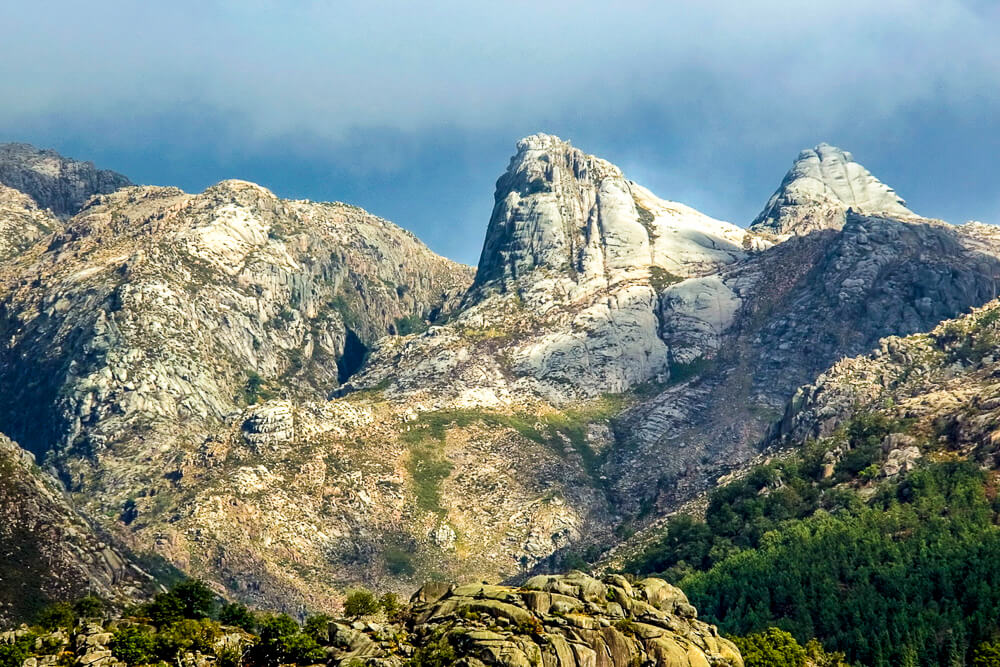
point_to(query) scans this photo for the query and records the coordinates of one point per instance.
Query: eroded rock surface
(571, 620)
(54, 182)
(816, 193)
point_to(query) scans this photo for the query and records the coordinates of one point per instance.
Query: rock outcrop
(571, 620)
(823, 184)
(56, 183)
(943, 382)
(153, 306)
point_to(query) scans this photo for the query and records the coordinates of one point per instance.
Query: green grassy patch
(661, 279)
(553, 430)
(682, 372)
(429, 469)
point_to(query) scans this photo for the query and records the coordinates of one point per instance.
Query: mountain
(878, 500)
(140, 332)
(816, 193)
(289, 398)
(59, 184)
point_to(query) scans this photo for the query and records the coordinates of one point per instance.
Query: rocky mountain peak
(54, 182)
(540, 202)
(574, 223)
(817, 191)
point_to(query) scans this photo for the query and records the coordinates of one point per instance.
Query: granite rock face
(802, 305)
(566, 224)
(570, 620)
(137, 335)
(54, 182)
(943, 380)
(823, 184)
(153, 306)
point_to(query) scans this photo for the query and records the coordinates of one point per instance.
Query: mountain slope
(882, 486)
(22, 223)
(48, 551)
(796, 309)
(291, 398)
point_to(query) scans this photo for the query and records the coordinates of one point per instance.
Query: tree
(89, 606)
(165, 608)
(986, 654)
(317, 626)
(197, 599)
(281, 641)
(190, 598)
(360, 603)
(238, 615)
(770, 648)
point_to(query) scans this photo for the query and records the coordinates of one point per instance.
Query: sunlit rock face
(818, 190)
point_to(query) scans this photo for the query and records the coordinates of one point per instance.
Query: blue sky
(411, 110)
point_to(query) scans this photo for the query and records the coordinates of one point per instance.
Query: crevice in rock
(353, 357)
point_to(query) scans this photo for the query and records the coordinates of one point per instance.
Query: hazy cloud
(411, 109)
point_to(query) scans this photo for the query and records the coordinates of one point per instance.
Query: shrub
(661, 279)
(410, 324)
(256, 389)
(134, 645)
(237, 615)
(14, 655)
(360, 603)
(317, 626)
(398, 561)
(435, 654)
(89, 606)
(281, 641)
(187, 635)
(56, 615)
(390, 604)
(626, 627)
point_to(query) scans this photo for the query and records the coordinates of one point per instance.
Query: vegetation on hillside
(897, 571)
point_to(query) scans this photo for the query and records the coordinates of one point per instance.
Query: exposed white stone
(815, 194)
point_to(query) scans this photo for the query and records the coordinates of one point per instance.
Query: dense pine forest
(895, 572)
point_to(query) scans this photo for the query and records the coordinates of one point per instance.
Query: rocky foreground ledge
(571, 620)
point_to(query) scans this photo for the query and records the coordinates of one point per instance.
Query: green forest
(895, 572)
